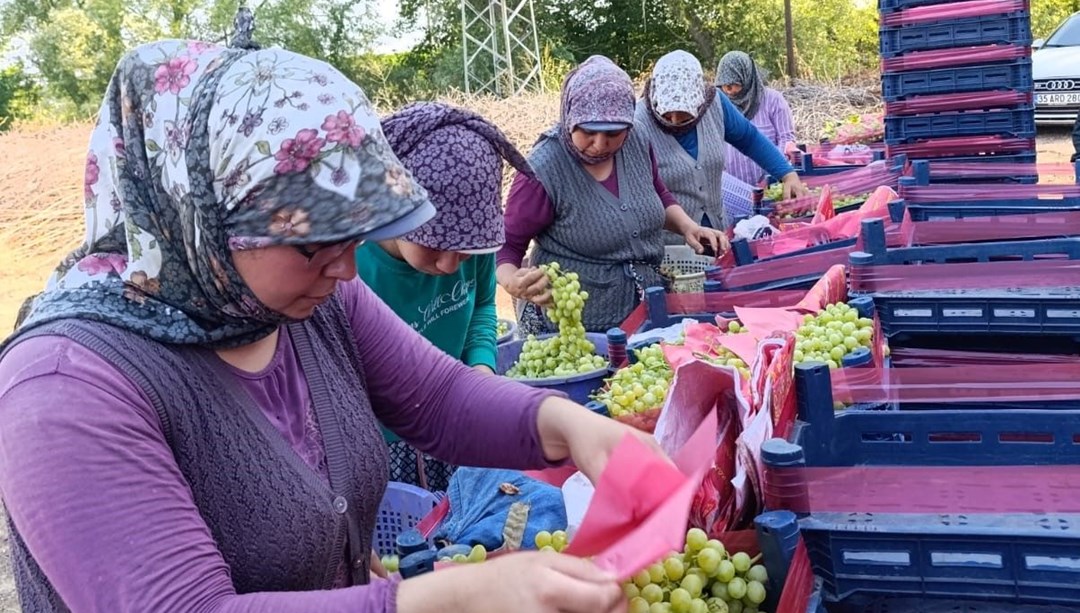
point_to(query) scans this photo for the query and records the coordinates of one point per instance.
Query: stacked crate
(957, 81)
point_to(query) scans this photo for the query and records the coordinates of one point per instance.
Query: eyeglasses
(321, 254)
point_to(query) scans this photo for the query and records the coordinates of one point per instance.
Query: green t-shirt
(455, 312)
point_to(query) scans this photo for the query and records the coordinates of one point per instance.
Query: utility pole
(789, 36)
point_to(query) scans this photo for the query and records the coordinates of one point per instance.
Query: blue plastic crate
(889, 6)
(1013, 75)
(402, 507)
(578, 388)
(1018, 122)
(889, 604)
(1004, 29)
(923, 171)
(1015, 558)
(985, 208)
(993, 311)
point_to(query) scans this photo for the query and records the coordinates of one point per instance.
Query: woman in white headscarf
(764, 107)
(692, 130)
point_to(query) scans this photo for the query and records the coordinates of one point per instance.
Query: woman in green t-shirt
(440, 278)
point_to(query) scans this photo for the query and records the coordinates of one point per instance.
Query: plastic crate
(1018, 122)
(933, 211)
(1014, 75)
(888, 604)
(1016, 558)
(923, 173)
(691, 268)
(1006, 29)
(889, 6)
(1016, 311)
(402, 507)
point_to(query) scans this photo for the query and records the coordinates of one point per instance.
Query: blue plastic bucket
(578, 387)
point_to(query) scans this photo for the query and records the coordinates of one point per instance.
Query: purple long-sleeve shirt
(93, 487)
(774, 121)
(529, 210)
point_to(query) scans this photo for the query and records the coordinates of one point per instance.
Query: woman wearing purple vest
(189, 412)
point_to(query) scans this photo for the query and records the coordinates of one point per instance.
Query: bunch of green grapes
(831, 334)
(775, 192)
(703, 578)
(502, 328)
(638, 387)
(843, 202)
(569, 352)
(476, 555)
(551, 541)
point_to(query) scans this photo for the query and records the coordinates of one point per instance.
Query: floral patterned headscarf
(200, 150)
(596, 92)
(457, 156)
(678, 83)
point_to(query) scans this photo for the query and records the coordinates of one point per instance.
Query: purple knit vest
(280, 528)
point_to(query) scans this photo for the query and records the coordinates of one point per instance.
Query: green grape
(680, 600)
(548, 548)
(757, 573)
(673, 568)
(642, 578)
(631, 591)
(736, 588)
(660, 607)
(718, 589)
(735, 606)
(657, 573)
(698, 605)
(558, 540)
(692, 584)
(741, 561)
(717, 605)
(391, 563)
(638, 605)
(477, 554)
(696, 540)
(638, 387)
(708, 560)
(652, 593)
(755, 592)
(542, 539)
(726, 571)
(459, 559)
(717, 545)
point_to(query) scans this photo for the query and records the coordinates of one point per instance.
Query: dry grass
(41, 174)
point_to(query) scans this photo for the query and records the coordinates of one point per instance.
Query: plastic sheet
(997, 228)
(859, 180)
(952, 10)
(958, 102)
(941, 58)
(999, 275)
(946, 169)
(982, 382)
(977, 192)
(969, 490)
(963, 145)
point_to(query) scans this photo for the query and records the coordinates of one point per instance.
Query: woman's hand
(377, 568)
(523, 582)
(483, 369)
(569, 430)
(793, 186)
(530, 284)
(698, 236)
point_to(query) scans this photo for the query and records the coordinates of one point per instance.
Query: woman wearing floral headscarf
(741, 80)
(189, 412)
(597, 205)
(688, 127)
(440, 278)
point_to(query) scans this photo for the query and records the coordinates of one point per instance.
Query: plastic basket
(1004, 29)
(402, 507)
(1018, 122)
(1014, 75)
(578, 388)
(690, 266)
(509, 336)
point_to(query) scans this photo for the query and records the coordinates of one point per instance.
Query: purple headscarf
(596, 92)
(457, 156)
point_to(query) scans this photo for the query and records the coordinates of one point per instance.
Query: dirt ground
(40, 221)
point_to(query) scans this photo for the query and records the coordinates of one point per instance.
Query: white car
(1056, 69)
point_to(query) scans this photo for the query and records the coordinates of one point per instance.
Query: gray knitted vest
(280, 528)
(695, 183)
(615, 245)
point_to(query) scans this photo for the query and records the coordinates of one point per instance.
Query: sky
(388, 14)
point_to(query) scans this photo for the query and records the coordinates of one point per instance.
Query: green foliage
(1047, 15)
(19, 95)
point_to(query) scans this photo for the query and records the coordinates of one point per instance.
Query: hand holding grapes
(793, 186)
(530, 284)
(697, 237)
(524, 582)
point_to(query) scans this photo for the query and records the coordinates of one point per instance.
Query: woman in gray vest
(189, 412)
(689, 127)
(597, 205)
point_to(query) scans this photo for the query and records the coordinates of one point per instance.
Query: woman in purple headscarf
(596, 205)
(440, 278)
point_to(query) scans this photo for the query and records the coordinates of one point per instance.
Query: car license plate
(1068, 99)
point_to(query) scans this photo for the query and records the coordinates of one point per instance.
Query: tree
(19, 94)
